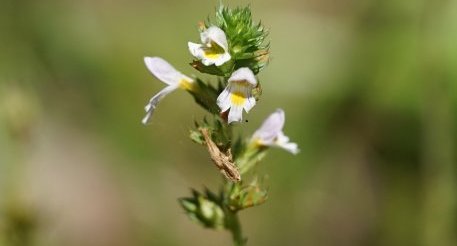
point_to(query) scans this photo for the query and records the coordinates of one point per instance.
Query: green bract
(246, 39)
(204, 209)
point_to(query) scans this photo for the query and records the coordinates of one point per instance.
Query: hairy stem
(234, 226)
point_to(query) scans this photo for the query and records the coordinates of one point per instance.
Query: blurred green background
(370, 93)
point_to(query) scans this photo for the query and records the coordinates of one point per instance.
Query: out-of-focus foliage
(369, 88)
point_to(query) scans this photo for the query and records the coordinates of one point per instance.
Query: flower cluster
(231, 47)
(214, 51)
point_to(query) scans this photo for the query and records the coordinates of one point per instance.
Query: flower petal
(214, 49)
(150, 107)
(216, 35)
(282, 141)
(207, 61)
(250, 103)
(223, 100)
(237, 95)
(235, 114)
(244, 74)
(222, 59)
(195, 49)
(165, 72)
(270, 128)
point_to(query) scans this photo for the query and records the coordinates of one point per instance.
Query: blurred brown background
(369, 88)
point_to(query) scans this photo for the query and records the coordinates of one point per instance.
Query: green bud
(212, 213)
(241, 197)
(204, 210)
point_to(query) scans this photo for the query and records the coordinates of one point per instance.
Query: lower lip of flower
(238, 98)
(210, 55)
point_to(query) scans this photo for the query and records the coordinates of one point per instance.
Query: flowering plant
(232, 48)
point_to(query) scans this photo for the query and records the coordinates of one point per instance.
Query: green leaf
(197, 137)
(213, 70)
(206, 95)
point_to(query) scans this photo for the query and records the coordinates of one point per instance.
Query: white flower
(166, 73)
(238, 94)
(270, 133)
(214, 49)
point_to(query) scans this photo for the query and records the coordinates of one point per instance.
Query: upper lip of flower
(270, 133)
(237, 95)
(214, 47)
(270, 128)
(166, 73)
(243, 74)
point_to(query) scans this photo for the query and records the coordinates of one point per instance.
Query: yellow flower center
(258, 143)
(213, 51)
(186, 85)
(239, 92)
(238, 98)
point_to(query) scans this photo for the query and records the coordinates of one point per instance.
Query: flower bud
(204, 210)
(242, 197)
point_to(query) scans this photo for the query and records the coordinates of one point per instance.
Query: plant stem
(234, 226)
